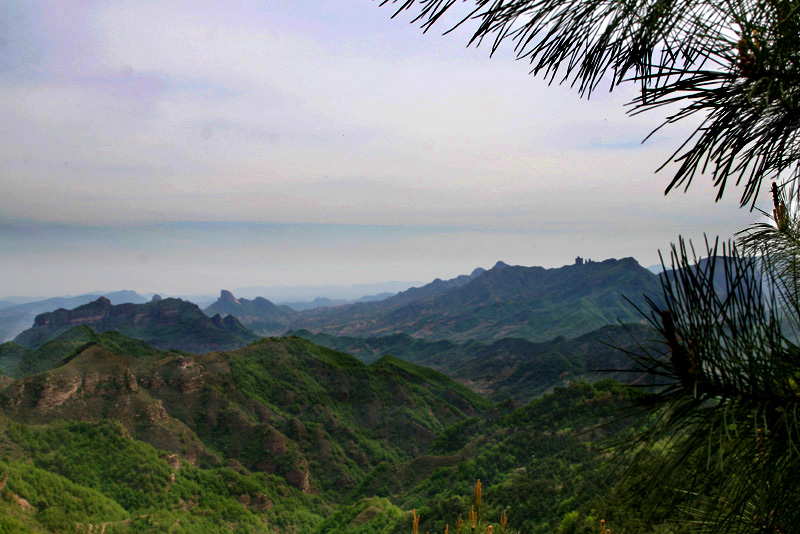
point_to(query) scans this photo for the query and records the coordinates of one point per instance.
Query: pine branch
(724, 430)
(734, 64)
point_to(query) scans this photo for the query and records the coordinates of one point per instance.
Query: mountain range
(108, 421)
(324, 302)
(506, 301)
(164, 323)
(15, 318)
(287, 436)
(259, 315)
(531, 303)
(318, 418)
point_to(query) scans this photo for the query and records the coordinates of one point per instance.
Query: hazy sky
(183, 147)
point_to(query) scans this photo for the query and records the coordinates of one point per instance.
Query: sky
(182, 147)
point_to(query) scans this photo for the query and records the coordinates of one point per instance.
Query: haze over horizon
(179, 147)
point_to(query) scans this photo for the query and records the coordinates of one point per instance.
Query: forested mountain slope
(319, 418)
(528, 302)
(510, 368)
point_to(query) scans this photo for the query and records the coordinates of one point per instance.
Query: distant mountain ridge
(17, 317)
(269, 319)
(324, 302)
(506, 301)
(533, 303)
(166, 323)
(259, 315)
(361, 311)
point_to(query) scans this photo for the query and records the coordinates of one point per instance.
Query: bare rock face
(56, 391)
(266, 465)
(186, 375)
(95, 373)
(91, 313)
(153, 382)
(15, 396)
(156, 413)
(274, 442)
(166, 324)
(227, 296)
(104, 384)
(259, 502)
(262, 503)
(173, 461)
(298, 477)
(22, 503)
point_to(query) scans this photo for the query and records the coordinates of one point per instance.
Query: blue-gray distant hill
(259, 315)
(17, 317)
(163, 323)
(324, 302)
(533, 303)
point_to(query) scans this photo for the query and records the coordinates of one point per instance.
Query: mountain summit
(226, 296)
(259, 315)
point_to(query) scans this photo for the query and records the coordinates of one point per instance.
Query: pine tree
(722, 432)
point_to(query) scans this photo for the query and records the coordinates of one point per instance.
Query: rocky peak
(500, 265)
(156, 298)
(227, 296)
(477, 272)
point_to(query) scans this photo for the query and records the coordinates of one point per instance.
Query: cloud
(314, 113)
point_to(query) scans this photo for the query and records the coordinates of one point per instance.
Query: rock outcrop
(259, 315)
(166, 323)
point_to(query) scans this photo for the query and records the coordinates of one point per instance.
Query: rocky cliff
(166, 323)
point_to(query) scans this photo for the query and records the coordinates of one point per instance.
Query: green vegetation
(59, 350)
(526, 302)
(537, 462)
(723, 429)
(320, 419)
(284, 435)
(509, 368)
(11, 355)
(95, 473)
(372, 515)
(542, 465)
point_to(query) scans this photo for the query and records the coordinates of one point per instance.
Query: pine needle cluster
(733, 65)
(723, 432)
